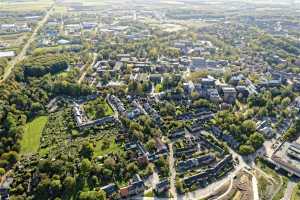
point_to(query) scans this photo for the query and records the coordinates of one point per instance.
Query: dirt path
(173, 172)
(289, 190)
(23, 52)
(277, 189)
(86, 68)
(228, 190)
(265, 174)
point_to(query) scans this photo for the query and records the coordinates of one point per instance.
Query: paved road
(23, 52)
(228, 190)
(255, 188)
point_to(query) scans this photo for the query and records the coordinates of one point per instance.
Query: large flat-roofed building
(198, 63)
(7, 54)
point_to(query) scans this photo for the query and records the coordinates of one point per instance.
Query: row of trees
(41, 65)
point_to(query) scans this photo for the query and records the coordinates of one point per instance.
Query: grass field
(296, 193)
(31, 138)
(281, 181)
(29, 5)
(111, 147)
(97, 108)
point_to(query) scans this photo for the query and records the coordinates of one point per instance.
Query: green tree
(257, 140)
(2, 171)
(87, 150)
(55, 187)
(246, 149)
(92, 195)
(85, 166)
(69, 184)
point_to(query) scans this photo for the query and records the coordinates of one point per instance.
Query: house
(229, 94)
(213, 171)
(134, 113)
(78, 114)
(195, 162)
(4, 188)
(216, 169)
(120, 56)
(136, 187)
(267, 131)
(242, 91)
(177, 133)
(208, 83)
(4, 193)
(142, 154)
(63, 42)
(8, 27)
(116, 103)
(198, 63)
(214, 95)
(229, 139)
(162, 186)
(296, 85)
(297, 103)
(235, 80)
(89, 25)
(270, 83)
(7, 54)
(188, 87)
(110, 189)
(189, 148)
(216, 131)
(297, 62)
(155, 78)
(161, 148)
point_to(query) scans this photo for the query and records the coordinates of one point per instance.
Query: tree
(246, 149)
(92, 195)
(2, 171)
(248, 127)
(109, 163)
(179, 186)
(87, 150)
(151, 145)
(43, 189)
(85, 166)
(285, 102)
(11, 157)
(256, 139)
(55, 187)
(69, 184)
(132, 168)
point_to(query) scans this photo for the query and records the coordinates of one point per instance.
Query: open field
(97, 108)
(31, 138)
(296, 193)
(38, 5)
(107, 145)
(279, 182)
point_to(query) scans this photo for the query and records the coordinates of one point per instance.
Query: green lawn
(97, 108)
(277, 177)
(296, 193)
(112, 148)
(31, 138)
(279, 195)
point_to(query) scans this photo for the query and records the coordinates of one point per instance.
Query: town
(137, 99)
